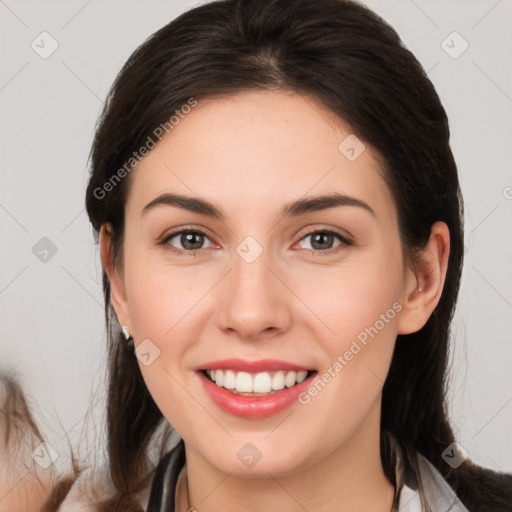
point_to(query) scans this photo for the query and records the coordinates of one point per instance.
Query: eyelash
(345, 242)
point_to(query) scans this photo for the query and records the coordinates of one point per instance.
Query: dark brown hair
(348, 58)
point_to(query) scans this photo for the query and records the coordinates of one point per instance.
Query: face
(257, 294)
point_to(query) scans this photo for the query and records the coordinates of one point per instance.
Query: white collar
(439, 496)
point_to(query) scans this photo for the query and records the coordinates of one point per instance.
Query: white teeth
(229, 379)
(301, 376)
(290, 379)
(262, 382)
(278, 381)
(243, 382)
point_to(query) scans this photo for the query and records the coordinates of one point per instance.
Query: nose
(253, 302)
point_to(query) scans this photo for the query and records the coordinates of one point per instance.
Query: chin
(255, 459)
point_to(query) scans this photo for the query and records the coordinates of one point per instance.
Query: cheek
(163, 307)
(352, 296)
(359, 306)
(348, 387)
(167, 307)
(162, 299)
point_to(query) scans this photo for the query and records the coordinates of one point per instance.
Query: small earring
(126, 334)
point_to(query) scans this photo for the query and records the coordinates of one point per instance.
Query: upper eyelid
(338, 231)
(185, 229)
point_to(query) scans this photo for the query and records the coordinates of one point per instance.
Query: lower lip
(254, 406)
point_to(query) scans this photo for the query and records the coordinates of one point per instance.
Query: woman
(235, 142)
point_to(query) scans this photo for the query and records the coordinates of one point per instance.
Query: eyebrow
(292, 209)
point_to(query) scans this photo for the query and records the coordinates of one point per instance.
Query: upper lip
(263, 365)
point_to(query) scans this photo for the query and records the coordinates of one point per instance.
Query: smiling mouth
(256, 384)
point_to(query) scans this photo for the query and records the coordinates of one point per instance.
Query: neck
(351, 478)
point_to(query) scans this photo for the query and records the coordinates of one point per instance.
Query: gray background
(52, 324)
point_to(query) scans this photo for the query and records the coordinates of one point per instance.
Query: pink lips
(253, 407)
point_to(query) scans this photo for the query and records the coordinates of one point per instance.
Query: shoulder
(434, 493)
(420, 485)
(83, 495)
(90, 489)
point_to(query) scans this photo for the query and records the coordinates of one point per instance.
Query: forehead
(262, 148)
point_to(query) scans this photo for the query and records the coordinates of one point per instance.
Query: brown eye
(187, 240)
(323, 240)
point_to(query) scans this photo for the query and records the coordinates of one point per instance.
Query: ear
(117, 289)
(424, 285)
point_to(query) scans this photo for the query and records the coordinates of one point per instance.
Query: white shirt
(439, 495)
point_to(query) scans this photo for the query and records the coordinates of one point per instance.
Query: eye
(322, 240)
(191, 240)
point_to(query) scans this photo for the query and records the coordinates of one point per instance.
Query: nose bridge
(250, 263)
(252, 300)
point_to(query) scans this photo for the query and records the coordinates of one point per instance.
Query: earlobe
(423, 286)
(117, 289)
